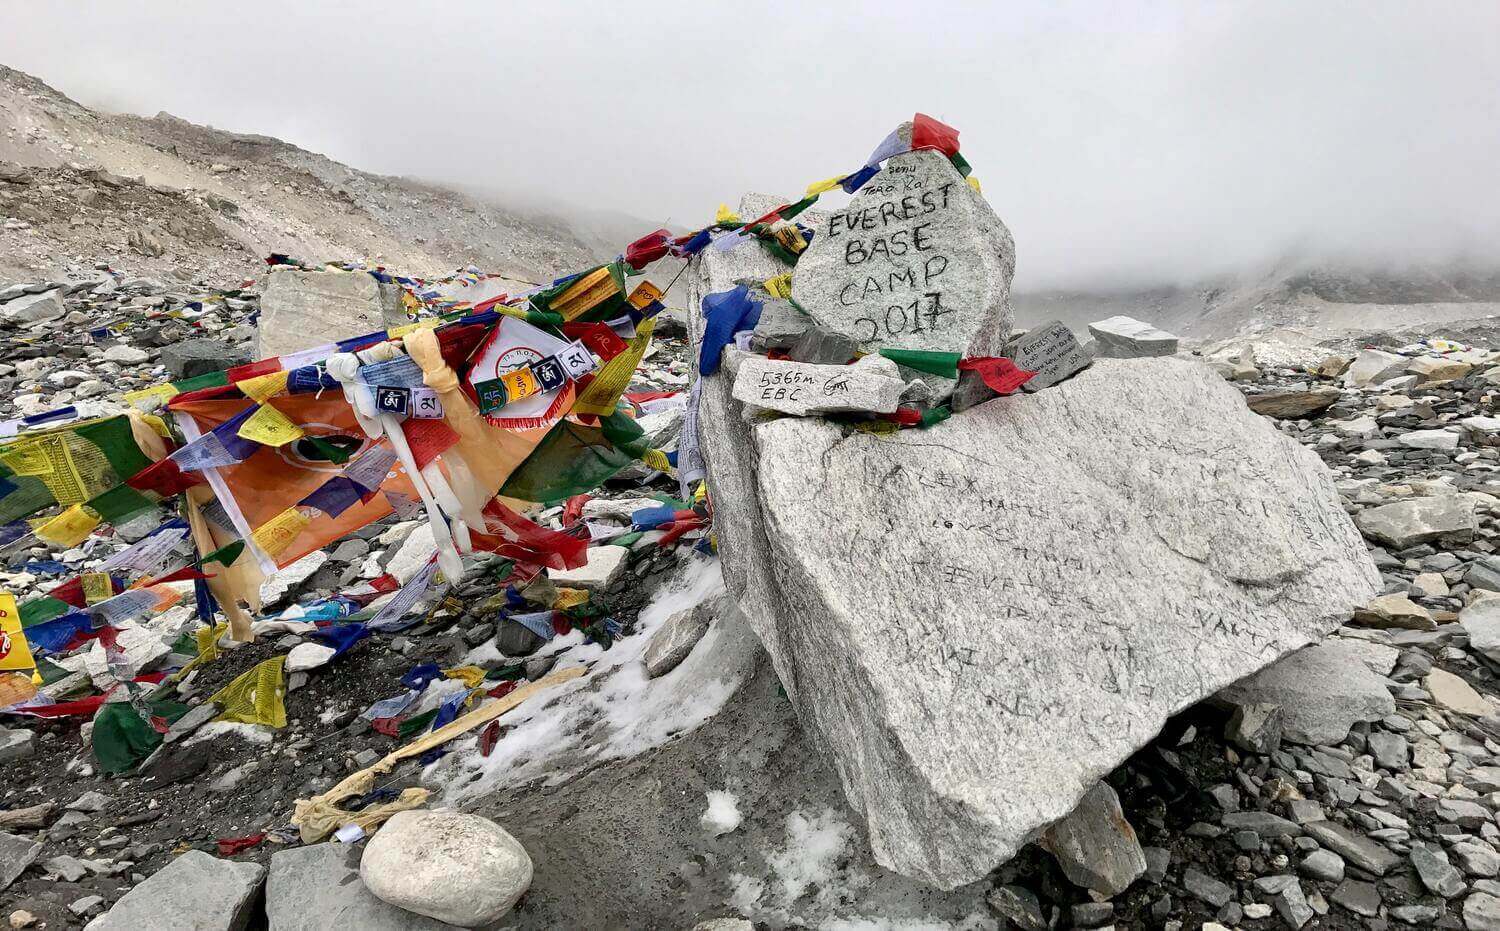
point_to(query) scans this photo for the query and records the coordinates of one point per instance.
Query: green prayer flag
(944, 364)
(570, 460)
(121, 738)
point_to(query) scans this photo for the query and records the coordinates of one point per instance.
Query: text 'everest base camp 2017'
(766, 576)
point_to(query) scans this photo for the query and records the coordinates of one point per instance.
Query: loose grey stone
(1420, 520)
(1095, 846)
(779, 327)
(918, 260)
(1322, 691)
(1262, 823)
(823, 346)
(1205, 887)
(1019, 906)
(1481, 621)
(34, 308)
(1157, 861)
(1323, 864)
(186, 725)
(1358, 897)
(1287, 898)
(1255, 726)
(194, 891)
(1477, 859)
(318, 888)
(1124, 337)
(1436, 873)
(676, 637)
(302, 309)
(1416, 914)
(16, 744)
(1360, 851)
(193, 357)
(68, 869)
(1293, 405)
(16, 854)
(1482, 912)
(1391, 751)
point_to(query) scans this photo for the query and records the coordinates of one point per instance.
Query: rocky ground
(1354, 785)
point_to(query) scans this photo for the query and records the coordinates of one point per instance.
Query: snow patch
(722, 815)
(255, 733)
(614, 711)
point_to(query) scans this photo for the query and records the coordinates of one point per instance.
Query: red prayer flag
(928, 133)
(998, 372)
(647, 249)
(601, 340)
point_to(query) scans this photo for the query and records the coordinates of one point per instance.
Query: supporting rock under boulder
(980, 620)
(459, 868)
(300, 309)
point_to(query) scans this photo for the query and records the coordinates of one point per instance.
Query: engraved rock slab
(980, 620)
(918, 260)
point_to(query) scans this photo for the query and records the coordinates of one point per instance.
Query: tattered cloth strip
(321, 815)
(256, 696)
(121, 738)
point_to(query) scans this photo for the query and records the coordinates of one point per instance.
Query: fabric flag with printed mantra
(571, 460)
(274, 480)
(66, 466)
(603, 393)
(511, 346)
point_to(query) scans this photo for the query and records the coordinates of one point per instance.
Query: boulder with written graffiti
(918, 260)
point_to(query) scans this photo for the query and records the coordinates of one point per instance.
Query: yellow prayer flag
(15, 652)
(569, 598)
(276, 534)
(405, 328)
(96, 587)
(256, 696)
(519, 384)
(585, 294)
(603, 393)
(974, 183)
(780, 286)
(644, 294)
(470, 676)
(262, 388)
(827, 184)
(656, 459)
(270, 427)
(155, 396)
(725, 215)
(71, 527)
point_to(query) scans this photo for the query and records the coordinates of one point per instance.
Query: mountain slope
(202, 202)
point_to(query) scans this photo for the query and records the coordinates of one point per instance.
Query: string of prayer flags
(596, 293)
(647, 249)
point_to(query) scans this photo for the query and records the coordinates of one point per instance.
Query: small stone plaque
(1053, 352)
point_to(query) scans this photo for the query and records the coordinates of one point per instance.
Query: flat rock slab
(979, 620)
(1128, 338)
(16, 854)
(1322, 691)
(195, 892)
(1420, 520)
(802, 388)
(918, 260)
(318, 888)
(302, 309)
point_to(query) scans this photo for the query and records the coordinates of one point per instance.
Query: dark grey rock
(193, 357)
(318, 888)
(823, 346)
(1360, 851)
(1019, 906)
(193, 891)
(1358, 897)
(1205, 887)
(16, 854)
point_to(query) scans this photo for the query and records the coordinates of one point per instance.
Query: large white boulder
(455, 867)
(980, 620)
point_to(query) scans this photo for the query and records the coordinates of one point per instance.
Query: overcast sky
(1119, 141)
